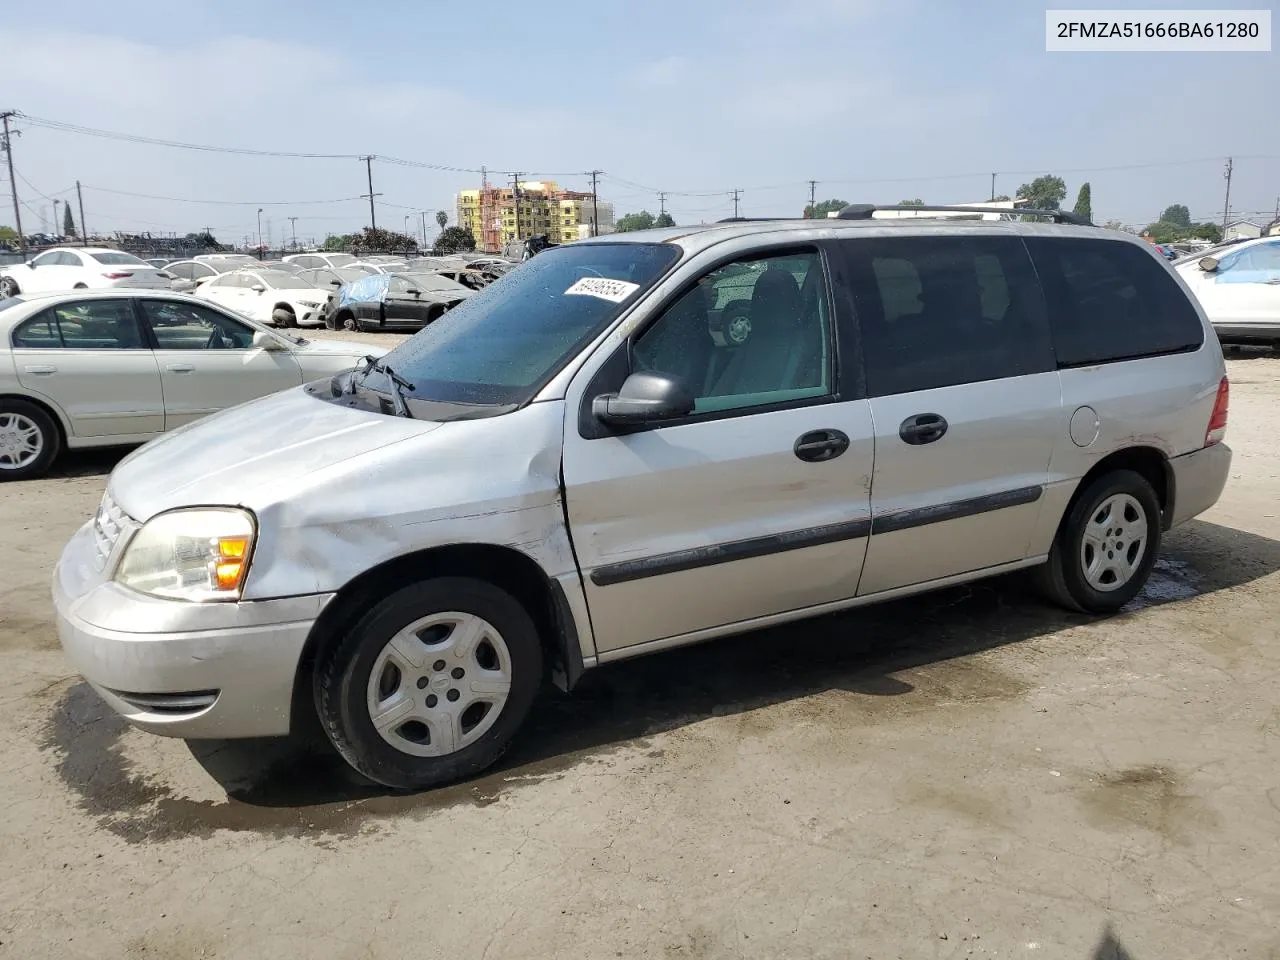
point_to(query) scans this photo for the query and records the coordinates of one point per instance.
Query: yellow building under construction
(495, 215)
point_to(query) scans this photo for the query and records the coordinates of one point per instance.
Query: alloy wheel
(21, 441)
(1114, 543)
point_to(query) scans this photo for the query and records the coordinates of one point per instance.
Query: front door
(208, 361)
(966, 402)
(754, 505)
(51, 271)
(90, 358)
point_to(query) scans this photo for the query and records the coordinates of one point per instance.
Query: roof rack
(866, 211)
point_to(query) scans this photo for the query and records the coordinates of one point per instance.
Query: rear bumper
(1198, 479)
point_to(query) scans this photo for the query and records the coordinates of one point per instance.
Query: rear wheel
(431, 684)
(283, 317)
(81, 286)
(9, 287)
(1106, 546)
(349, 322)
(29, 440)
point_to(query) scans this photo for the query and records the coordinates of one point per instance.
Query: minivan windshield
(500, 345)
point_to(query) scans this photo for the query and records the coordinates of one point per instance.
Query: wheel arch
(1147, 462)
(59, 418)
(504, 567)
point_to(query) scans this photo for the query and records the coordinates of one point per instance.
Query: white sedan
(72, 268)
(116, 367)
(269, 296)
(1239, 288)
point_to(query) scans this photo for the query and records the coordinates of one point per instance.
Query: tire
(361, 669)
(349, 322)
(23, 425)
(1107, 572)
(81, 286)
(283, 317)
(9, 287)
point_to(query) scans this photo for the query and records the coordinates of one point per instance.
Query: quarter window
(940, 311)
(1111, 300)
(749, 333)
(38, 333)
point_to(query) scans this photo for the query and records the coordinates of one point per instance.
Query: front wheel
(1106, 546)
(349, 322)
(283, 317)
(431, 684)
(9, 287)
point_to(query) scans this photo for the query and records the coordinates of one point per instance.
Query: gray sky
(877, 101)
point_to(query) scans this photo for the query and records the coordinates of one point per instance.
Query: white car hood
(336, 348)
(252, 455)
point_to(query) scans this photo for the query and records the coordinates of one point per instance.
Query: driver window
(183, 326)
(749, 333)
(45, 260)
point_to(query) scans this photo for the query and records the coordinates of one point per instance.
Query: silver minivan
(644, 441)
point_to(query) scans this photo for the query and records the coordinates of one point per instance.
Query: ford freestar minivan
(643, 441)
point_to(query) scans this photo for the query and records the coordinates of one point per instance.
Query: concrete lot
(966, 775)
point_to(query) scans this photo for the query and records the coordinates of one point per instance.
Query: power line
(230, 203)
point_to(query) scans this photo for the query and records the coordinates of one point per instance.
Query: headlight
(308, 303)
(197, 554)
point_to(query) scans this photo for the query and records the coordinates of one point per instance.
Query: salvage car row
(334, 289)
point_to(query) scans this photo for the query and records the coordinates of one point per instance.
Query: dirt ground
(969, 774)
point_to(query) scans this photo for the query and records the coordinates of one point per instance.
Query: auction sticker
(613, 290)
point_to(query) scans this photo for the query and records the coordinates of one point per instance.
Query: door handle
(818, 446)
(922, 428)
(181, 367)
(40, 370)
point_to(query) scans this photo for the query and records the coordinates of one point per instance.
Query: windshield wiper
(398, 383)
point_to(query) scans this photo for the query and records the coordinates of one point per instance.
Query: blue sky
(877, 101)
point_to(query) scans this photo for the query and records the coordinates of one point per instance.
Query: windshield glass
(340, 259)
(500, 345)
(119, 259)
(277, 280)
(428, 281)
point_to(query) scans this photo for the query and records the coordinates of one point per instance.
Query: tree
(917, 202)
(1084, 202)
(635, 221)
(1004, 198)
(68, 221)
(1177, 214)
(664, 220)
(819, 211)
(454, 240)
(338, 243)
(442, 218)
(1044, 193)
(7, 234)
(1166, 231)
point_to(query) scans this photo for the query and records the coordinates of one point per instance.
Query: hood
(314, 294)
(339, 348)
(252, 455)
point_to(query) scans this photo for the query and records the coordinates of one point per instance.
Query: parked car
(391, 301)
(371, 267)
(160, 262)
(118, 367)
(1239, 288)
(567, 470)
(71, 268)
(189, 274)
(268, 296)
(317, 260)
(335, 278)
(239, 259)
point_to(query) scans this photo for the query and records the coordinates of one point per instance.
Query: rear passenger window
(940, 311)
(1110, 300)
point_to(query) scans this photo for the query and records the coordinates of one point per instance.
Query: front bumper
(1198, 479)
(195, 670)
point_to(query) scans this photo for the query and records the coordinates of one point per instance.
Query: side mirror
(1208, 264)
(31, 264)
(644, 398)
(258, 288)
(265, 341)
(335, 283)
(413, 292)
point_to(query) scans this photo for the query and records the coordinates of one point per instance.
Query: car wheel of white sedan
(283, 317)
(9, 287)
(29, 440)
(431, 684)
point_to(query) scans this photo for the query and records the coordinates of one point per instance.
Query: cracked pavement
(968, 774)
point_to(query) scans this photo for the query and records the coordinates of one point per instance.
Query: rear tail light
(117, 275)
(1218, 419)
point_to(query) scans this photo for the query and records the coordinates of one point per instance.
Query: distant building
(1242, 230)
(494, 216)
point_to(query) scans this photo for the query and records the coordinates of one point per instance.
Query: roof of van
(702, 236)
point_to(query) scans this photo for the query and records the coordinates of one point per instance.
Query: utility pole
(1226, 206)
(993, 186)
(595, 210)
(515, 200)
(813, 198)
(13, 183)
(662, 204)
(423, 213)
(293, 223)
(259, 233)
(368, 168)
(84, 230)
(736, 192)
